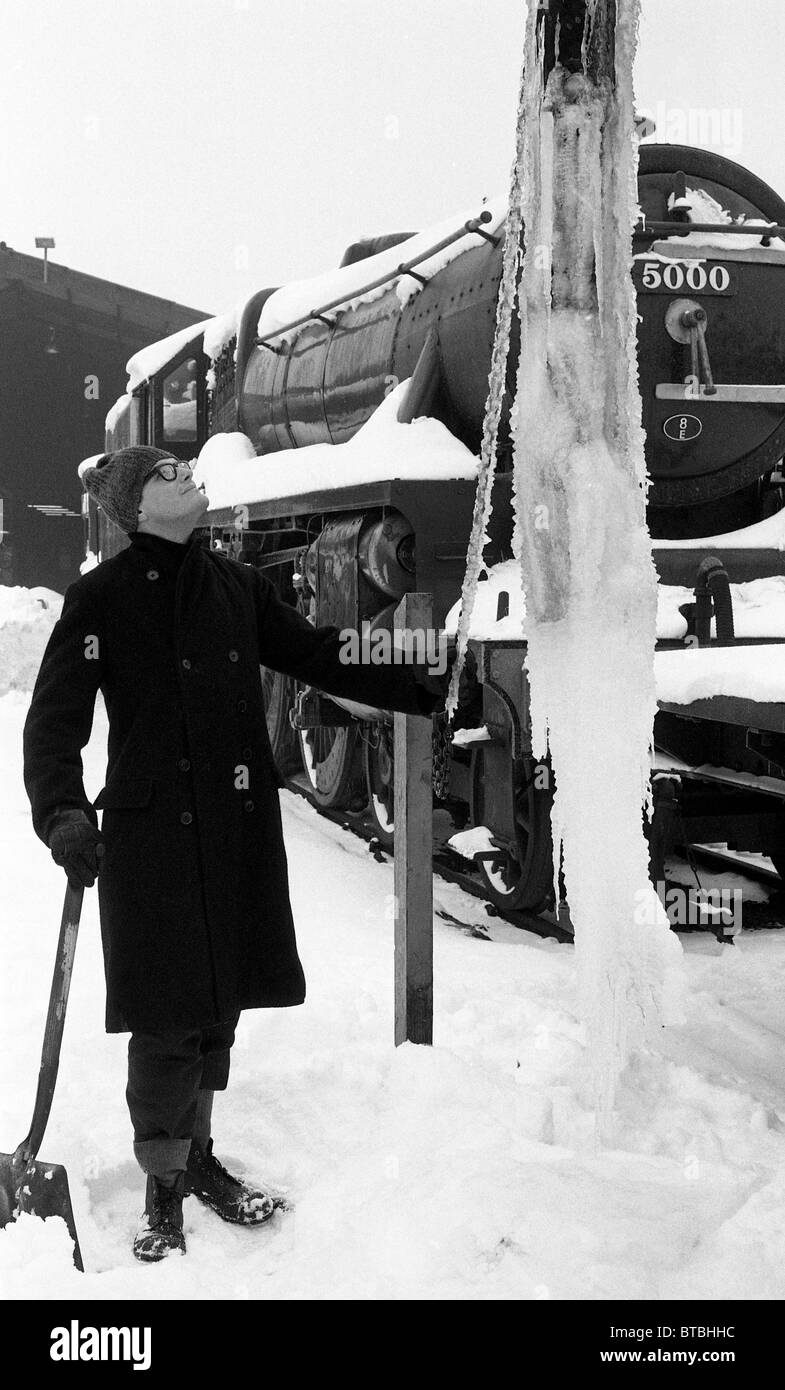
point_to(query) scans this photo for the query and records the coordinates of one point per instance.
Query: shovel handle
(55, 1021)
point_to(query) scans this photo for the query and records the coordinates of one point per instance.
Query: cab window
(179, 402)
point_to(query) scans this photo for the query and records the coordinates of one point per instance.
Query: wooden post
(413, 879)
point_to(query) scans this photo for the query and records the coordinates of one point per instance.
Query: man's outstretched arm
(317, 656)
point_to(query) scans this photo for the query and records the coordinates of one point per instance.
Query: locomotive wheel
(278, 692)
(379, 768)
(331, 766)
(524, 878)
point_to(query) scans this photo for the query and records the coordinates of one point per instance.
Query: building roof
(22, 279)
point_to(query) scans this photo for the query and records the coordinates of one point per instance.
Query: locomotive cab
(167, 408)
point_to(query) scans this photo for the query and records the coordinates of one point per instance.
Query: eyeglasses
(169, 471)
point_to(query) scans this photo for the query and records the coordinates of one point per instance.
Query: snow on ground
(463, 1171)
(27, 617)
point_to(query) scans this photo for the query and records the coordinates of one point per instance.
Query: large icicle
(581, 537)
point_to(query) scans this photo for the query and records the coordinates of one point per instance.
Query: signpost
(413, 877)
(45, 244)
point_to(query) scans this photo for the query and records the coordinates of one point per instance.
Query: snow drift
(27, 617)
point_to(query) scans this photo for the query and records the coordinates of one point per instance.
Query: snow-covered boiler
(712, 316)
(711, 354)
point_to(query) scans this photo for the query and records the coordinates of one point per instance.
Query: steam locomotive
(711, 355)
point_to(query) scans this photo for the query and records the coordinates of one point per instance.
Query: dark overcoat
(196, 923)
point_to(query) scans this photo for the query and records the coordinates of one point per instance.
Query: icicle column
(581, 537)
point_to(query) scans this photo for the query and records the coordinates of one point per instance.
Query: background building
(64, 344)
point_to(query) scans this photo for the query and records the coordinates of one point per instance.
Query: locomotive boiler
(422, 310)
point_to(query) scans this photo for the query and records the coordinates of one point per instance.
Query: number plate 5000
(672, 277)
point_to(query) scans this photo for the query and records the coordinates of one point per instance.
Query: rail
(764, 230)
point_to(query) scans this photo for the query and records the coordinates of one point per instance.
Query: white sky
(201, 149)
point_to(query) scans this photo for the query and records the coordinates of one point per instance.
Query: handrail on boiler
(762, 229)
(472, 227)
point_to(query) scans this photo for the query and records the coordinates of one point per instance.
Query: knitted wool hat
(117, 480)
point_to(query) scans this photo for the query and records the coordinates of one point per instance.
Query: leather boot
(161, 1231)
(230, 1198)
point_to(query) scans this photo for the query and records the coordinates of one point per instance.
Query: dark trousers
(171, 1080)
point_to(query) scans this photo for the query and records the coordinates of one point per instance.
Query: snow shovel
(28, 1184)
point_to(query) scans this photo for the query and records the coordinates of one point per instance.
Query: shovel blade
(42, 1190)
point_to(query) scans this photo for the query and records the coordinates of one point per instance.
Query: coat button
(184, 765)
(242, 706)
(152, 574)
(186, 664)
(248, 752)
(233, 655)
(186, 818)
(248, 805)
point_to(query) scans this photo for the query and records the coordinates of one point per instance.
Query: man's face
(175, 500)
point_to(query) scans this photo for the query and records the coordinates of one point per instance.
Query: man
(196, 923)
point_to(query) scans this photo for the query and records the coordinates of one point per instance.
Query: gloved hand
(77, 846)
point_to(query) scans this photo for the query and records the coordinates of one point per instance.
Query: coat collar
(165, 554)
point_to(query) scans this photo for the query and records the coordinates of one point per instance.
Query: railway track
(447, 865)
(758, 914)
(452, 868)
(733, 862)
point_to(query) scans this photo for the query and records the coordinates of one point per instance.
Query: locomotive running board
(719, 776)
(732, 709)
(678, 564)
(729, 395)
